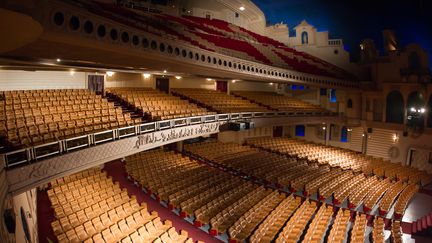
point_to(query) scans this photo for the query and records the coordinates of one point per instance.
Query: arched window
(395, 107)
(333, 95)
(304, 37)
(344, 135)
(414, 61)
(415, 109)
(429, 112)
(350, 103)
(300, 130)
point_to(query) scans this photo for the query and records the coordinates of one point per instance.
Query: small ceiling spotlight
(58, 60)
(146, 75)
(178, 77)
(110, 73)
(242, 8)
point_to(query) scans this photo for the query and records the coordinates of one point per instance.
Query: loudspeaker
(369, 130)
(9, 220)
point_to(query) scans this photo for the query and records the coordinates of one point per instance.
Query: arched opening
(350, 103)
(429, 112)
(300, 130)
(395, 107)
(415, 109)
(304, 37)
(344, 135)
(333, 96)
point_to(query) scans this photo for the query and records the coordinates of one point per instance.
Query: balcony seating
(359, 228)
(280, 102)
(218, 101)
(318, 227)
(339, 227)
(90, 207)
(247, 223)
(297, 223)
(378, 230)
(158, 105)
(34, 117)
(344, 190)
(269, 228)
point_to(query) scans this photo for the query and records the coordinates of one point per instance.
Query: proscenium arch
(395, 107)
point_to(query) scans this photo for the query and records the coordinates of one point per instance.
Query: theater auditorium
(197, 121)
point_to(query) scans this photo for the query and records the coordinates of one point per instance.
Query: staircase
(128, 108)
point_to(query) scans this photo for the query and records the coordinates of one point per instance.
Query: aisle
(117, 171)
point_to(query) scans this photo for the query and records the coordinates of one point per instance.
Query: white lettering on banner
(166, 136)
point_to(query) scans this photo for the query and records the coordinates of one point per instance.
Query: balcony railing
(33, 154)
(335, 42)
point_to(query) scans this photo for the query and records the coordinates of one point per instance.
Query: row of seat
(219, 101)
(339, 228)
(158, 105)
(269, 228)
(279, 102)
(297, 223)
(359, 228)
(318, 226)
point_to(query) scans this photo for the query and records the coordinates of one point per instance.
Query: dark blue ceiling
(354, 20)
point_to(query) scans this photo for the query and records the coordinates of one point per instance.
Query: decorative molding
(26, 177)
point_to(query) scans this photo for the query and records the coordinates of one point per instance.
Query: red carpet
(45, 215)
(117, 171)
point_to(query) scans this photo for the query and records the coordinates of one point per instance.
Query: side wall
(24, 80)
(27, 202)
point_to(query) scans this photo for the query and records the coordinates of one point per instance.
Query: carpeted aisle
(45, 215)
(117, 171)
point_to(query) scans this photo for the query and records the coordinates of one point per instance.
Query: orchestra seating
(269, 228)
(318, 227)
(157, 104)
(339, 228)
(280, 102)
(219, 101)
(378, 230)
(297, 223)
(34, 117)
(90, 207)
(396, 232)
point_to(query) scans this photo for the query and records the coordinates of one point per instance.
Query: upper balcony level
(98, 32)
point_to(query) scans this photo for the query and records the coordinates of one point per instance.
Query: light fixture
(71, 72)
(242, 8)
(209, 79)
(324, 128)
(110, 73)
(349, 130)
(178, 77)
(271, 83)
(146, 75)
(422, 110)
(233, 81)
(58, 60)
(395, 137)
(413, 109)
(164, 71)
